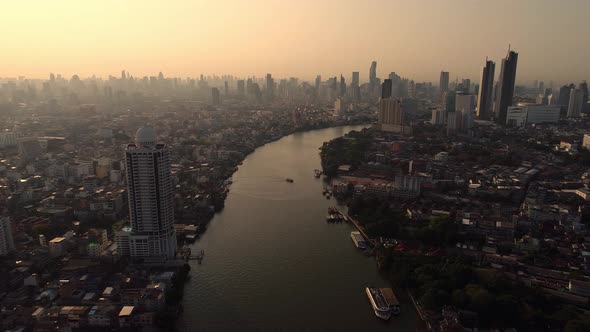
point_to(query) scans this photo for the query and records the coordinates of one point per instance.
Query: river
(272, 263)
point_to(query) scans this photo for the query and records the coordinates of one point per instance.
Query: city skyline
(100, 39)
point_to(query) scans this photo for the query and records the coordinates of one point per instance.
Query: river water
(272, 262)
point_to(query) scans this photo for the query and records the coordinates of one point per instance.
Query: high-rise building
(390, 116)
(486, 87)
(574, 108)
(466, 84)
(386, 89)
(506, 82)
(584, 88)
(270, 87)
(373, 74)
(443, 84)
(564, 98)
(355, 79)
(6, 239)
(342, 86)
(241, 88)
(215, 97)
(151, 197)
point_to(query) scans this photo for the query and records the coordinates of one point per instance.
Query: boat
(378, 302)
(289, 180)
(358, 240)
(391, 300)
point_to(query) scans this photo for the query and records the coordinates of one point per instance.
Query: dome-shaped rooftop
(145, 136)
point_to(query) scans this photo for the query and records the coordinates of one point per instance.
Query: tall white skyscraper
(151, 197)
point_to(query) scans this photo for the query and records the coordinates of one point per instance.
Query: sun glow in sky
(415, 38)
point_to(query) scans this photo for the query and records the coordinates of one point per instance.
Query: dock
(357, 226)
(187, 256)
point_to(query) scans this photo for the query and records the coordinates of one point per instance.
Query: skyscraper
(564, 98)
(386, 89)
(342, 86)
(505, 91)
(443, 84)
(574, 108)
(318, 83)
(241, 88)
(215, 97)
(151, 197)
(584, 88)
(270, 87)
(486, 88)
(355, 78)
(373, 74)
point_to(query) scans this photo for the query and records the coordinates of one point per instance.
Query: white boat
(358, 240)
(380, 306)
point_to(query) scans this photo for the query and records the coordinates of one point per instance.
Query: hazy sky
(415, 38)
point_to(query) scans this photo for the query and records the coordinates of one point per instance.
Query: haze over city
(367, 165)
(294, 38)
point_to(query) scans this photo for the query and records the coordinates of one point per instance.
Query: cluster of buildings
(94, 212)
(508, 165)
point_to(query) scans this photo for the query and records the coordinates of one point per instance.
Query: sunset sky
(303, 38)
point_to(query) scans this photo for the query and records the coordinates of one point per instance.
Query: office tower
(355, 78)
(584, 88)
(123, 76)
(342, 86)
(318, 84)
(564, 98)
(466, 85)
(396, 85)
(151, 197)
(373, 74)
(249, 87)
(270, 87)
(256, 92)
(443, 85)
(226, 88)
(386, 89)
(506, 82)
(215, 97)
(486, 87)
(6, 239)
(541, 87)
(241, 88)
(574, 108)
